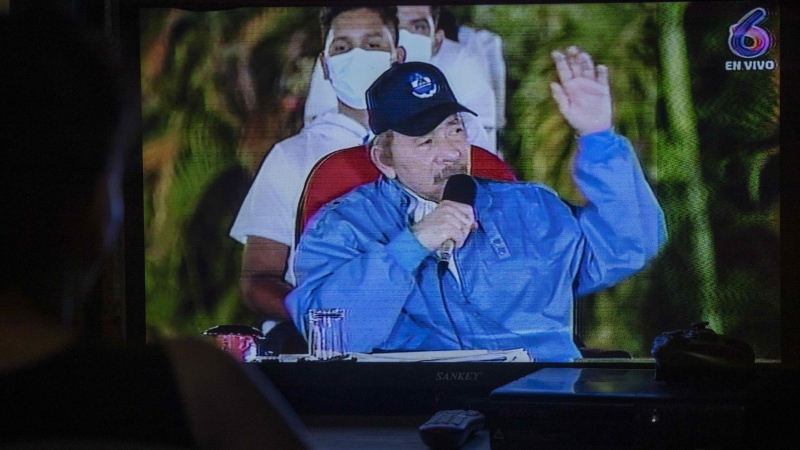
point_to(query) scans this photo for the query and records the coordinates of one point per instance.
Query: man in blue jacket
(521, 255)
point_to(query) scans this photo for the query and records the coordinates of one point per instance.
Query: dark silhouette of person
(67, 131)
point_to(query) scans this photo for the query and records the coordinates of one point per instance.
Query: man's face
(360, 28)
(424, 163)
(416, 19)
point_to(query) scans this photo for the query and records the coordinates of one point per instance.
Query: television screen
(606, 239)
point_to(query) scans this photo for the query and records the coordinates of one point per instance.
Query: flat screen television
(695, 89)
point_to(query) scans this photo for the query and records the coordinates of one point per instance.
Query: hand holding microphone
(449, 225)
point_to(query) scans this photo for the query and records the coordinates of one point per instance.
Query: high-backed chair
(343, 170)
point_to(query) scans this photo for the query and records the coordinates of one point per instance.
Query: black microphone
(460, 188)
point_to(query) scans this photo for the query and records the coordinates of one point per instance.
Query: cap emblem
(422, 86)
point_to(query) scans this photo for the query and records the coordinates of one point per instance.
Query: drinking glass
(326, 334)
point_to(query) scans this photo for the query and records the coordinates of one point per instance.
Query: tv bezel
(420, 388)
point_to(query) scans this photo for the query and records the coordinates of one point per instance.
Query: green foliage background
(702, 134)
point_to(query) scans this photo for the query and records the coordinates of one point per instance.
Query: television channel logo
(746, 39)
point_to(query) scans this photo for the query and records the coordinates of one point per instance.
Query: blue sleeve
(337, 267)
(622, 223)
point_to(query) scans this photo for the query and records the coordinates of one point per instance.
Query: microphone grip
(445, 252)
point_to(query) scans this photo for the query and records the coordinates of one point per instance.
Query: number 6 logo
(746, 38)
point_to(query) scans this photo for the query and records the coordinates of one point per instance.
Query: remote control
(450, 429)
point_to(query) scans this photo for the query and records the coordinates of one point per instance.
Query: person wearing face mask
(466, 70)
(359, 46)
(423, 42)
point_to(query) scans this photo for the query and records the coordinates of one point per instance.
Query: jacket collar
(403, 200)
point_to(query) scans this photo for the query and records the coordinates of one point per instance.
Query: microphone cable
(442, 269)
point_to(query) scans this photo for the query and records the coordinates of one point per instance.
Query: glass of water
(326, 334)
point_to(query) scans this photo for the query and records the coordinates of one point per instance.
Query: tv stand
(597, 408)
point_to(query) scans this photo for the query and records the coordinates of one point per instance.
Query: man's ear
(321, 59)
(400, 55)
(382, 160)
(438, 38)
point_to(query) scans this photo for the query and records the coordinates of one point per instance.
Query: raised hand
(582, 93)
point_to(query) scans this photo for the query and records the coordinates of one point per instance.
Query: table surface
(377, 432)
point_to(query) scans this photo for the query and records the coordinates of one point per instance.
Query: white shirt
(467, 75)
(270, 208)
(489, 47)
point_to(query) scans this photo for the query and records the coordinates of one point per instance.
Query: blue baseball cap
(412, 99)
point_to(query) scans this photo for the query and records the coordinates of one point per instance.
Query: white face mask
(352, 73)
(418, 47)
